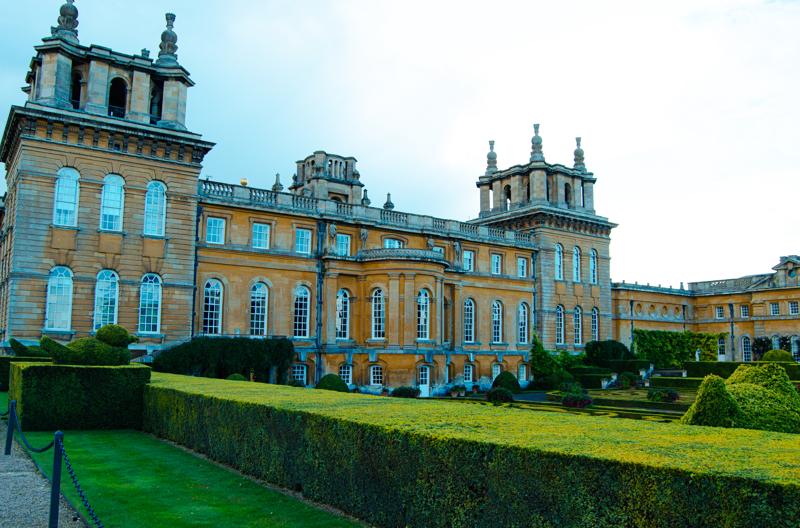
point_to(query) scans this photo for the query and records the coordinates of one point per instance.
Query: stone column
(140, 97)
(458, 317)
(97, 89)
(485, 198)
(173, 110)
(360, 326)
(393, 314)
(54, 81)
(439, 311)
(409, 311)
(497, 198)
(588, 195)
(331, 289)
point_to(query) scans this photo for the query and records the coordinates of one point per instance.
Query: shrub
(295, 383)
(332, 382)
(498, 395)
(508, 381)
(599, 353)
(713, 405)
(236, 377)
(580, 370)
(763, 409)
(52, 348)
(724, 369)
(574, 395)
(90, 351)
(547, 372)
(51, 397)
(591, 381)
(428, 463)
(21, 350)
(663, 395)
(672, 349)
(627, 379)
(568, 360)
(630, 365)
(115, 335)
(769, 375)
(5, 367)
(674, 382)
(778, 356)
(406, 392)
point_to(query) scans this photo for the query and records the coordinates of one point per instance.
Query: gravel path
(25, 493)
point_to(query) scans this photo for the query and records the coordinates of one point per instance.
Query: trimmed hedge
(723, 369)
(601, 352)
(91, 351)
(22, 350)
(51, 397)
(592, 381)
(580, 370)
(5, 367)
(332, 382)
(778, 356)
(498, 395)
(671, 349)
(714, 405)
(507, 380)
(674, 382)
(396, 463)
(629, 365)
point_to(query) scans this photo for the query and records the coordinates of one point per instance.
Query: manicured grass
(133, 480)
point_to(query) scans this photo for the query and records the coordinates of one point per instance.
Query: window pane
(261, 236)
(342, 315)
(59, 300)
(301, 312)
(343, 245)
(154, 209)
(212, 308)
(378, 314)
(497, 322)
(469, 321)
(105, 299)
(259, 298)
(111, 203)
(469, 260)
(423, 312)
(376, 375)
(346, 373)
(150, 304)
(302, 241)
(215, 230)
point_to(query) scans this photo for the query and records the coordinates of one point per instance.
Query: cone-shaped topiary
(332, 382)
(713, 406)
(778, 356)
(507, 381)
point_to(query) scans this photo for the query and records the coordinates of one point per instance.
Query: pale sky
(687, 109)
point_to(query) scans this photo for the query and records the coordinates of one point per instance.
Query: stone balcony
(424, 255)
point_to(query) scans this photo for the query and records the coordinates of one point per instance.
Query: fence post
(55, 490)
(12, 416)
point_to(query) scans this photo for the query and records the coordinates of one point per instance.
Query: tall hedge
(413, 463)
(5, 367)
(723, 369)
(219, 357)
(51, 397)
(671, 349)
(601, 353)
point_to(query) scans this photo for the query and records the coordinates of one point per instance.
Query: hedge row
(675, 382)
(5, 367)
(640, 404)
(629, 365)
(591, 381)
(51, 397)
(401, 463)
(723, 369)
(671, 349)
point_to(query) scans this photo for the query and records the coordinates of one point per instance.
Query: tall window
(747, 349)
(522, 267)
(744, 310)
(117, 98)
(112, 202)
(720, 312)
(776, 342)
(342, 315)
(155, 208)
(302, 241)
(794, 308)
(522, 324)
(593, 266)
(522, 372)
(261, 236)
(796, 348)
(346, 373)
(497, 368)
(378, 315)
(423, 315)
(497, 322)
(497, 264)
(595, 325)
(65, 205)
(774, 308)
(150, 304)
(577, 325)
(343, 245)
(721, 346)
(376, 375)
(106, 293)
(576, 264)
(559, 263)
(215, 230)
(302, 303)
(299, 371)
(259, 301)
(469, 321)
(559, 325)
(469, 260)
(212, 307)
(469, 373)
(58, 314)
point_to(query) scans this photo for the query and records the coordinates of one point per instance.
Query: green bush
(580, 370)
(663, 395)
(599, 353)
(332, 382)
(713, 405)
(21, 350)
(763, 409)
(723, 369)
(778, 356)
(627, 379)
(218, 357)
(674, 382)
(498, 395)
(768, 375)
(5, 367)
(51, 397)
(405, 392)
(672, 349)
(592, 381)
(90, 351)
(115, 335)
(631, 365)
(52, 348)
(429, 464)
(236, 377)
(295, 383)
(508, 381)
(546, 370)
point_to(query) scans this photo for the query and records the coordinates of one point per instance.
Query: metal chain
(18, 427)
(78, 488)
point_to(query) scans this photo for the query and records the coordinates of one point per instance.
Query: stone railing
(400, 254)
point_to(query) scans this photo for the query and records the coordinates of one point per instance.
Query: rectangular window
(794, 309)
(469, 260)
(392, 243)
(720, 311)
(439, 250)
(744, 310)
(215, 230)
(302, 241)
(522, 267)
(261, 236)
(299, 373)
(376, 375)
(774, 309)
(522, 373)
(346, 373)
(497, 264)
(343, 245)
(468, 373)
(496, 370)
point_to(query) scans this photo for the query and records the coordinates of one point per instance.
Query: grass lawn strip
(135, 480)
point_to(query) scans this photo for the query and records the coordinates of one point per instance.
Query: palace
(108, 220)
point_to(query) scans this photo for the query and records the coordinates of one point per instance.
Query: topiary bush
(499, 395)
(713, 405)
(627, 380)
(764, 409)
(115, 335)
(406, 392)
(663, 395)
(546, 370)
(769, 375)
(26, 351)
(777, 356)
(236, 377)
(508, 381)
(599, 353)
(332, 382)
(90, 351)
(667, 349)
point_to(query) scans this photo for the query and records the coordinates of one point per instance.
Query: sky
(688, 110)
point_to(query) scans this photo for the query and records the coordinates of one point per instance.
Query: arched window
(346, 373)
(721, 346)
(65, 205)
(522, 324)
(302, 305)
(469, 321)
(156, 102)
(376, 375)
(576, 264)
(378, 315)
(58, 314)
(507, 197)
(595, 325)
(497, 322)
(212, 307)
(342, 315)
(747, 349)
(577, 325)
(559, 263)
(150, 304)
(568, 194)
(423, 315)
(112, 203)
(117, 98)
(559, 325)
(259, 303)
(106, 295)
(75, 90)
(593, 266)
(155, 208)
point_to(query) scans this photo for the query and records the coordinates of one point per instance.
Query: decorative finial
(536, 145)
(277, 187)
(243, 182)
(579, 164)
(491, 160)
(168, 49)
(388, 205)
(67, 23)
(145, 53)
(365, 199)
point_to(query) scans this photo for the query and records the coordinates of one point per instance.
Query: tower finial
(277, 187)
(67, 28)
(491, 160)
(579, 162)
(388, 205)
(365, 199)
(168, 49)
(536, 145)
